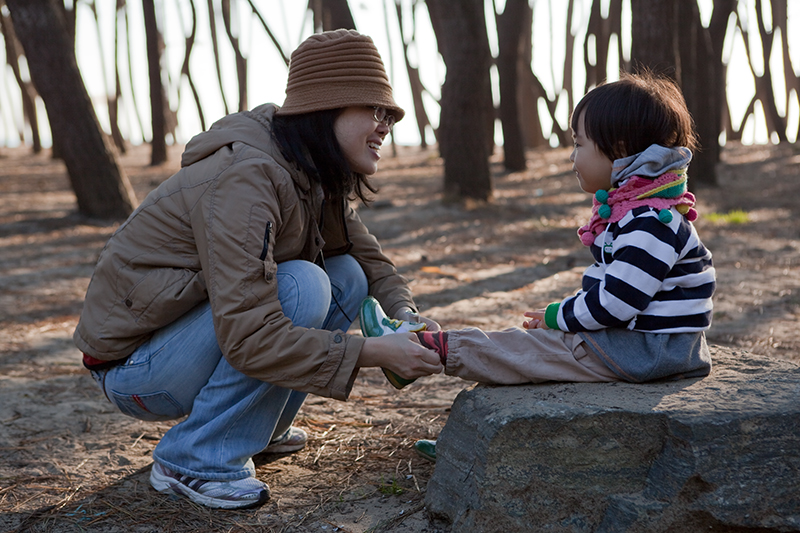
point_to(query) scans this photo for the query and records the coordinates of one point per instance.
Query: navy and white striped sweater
(652, 277)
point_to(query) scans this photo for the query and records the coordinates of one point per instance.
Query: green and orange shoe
(426, 449)
(375, 323)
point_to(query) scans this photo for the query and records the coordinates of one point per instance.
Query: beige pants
(517, 355)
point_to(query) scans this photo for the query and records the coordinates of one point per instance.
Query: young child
(645, 303)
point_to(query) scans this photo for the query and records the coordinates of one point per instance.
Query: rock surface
(715, 454)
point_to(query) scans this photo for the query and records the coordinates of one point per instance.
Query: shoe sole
(284, 448)
(396, 381)
(168, 485)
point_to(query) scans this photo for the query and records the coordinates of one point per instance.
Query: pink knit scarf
(662, 193)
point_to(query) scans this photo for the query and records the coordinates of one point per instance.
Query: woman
(226, 295)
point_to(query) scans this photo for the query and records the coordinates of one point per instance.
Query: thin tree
(241, 61)
(764, 82)
(186, 71)
(697, 75)
(212, 18)
(27, 91)
(467, 112)
(331, 15)
(509, 66)
(417, 88)
(158, 145)
(101, 187)
(271, 35)
(111, 100)
(780, 17)
(531, 90)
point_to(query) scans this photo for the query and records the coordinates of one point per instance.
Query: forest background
(70, 462)
(506, 73)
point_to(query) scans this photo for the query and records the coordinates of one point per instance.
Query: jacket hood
(249, 127)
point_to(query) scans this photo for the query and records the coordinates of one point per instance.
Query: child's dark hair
(310, 141)
(624, 117)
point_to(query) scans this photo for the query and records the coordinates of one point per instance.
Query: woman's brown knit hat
(336, 69)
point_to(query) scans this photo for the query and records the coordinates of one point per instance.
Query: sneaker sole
(168, 485)
(284, 448)
(396, 381)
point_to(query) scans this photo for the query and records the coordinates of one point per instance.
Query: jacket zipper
(266, 240)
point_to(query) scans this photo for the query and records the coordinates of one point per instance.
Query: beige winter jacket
(202, 234)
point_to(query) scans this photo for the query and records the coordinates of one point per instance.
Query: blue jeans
(232, 417)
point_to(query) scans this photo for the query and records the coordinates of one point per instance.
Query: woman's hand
(401, 354)
(410, 316)
(536, 320)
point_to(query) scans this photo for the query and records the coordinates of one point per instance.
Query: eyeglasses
(382, 115)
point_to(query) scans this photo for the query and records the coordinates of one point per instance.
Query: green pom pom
(665, 216)
(601, 196)
(604, 211)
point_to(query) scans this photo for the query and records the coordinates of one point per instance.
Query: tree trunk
(241, 61)
(698, 78)
(530, 89)
(212, 24)
(466, 104)
(415, 81)
(332, 15)
(654, 36)
(764, 89)
(509, 34)
(27, 91)
(111, 101)
(100, 184)
(186, 71)
(668, 39)
(158, 144)
(569, 46)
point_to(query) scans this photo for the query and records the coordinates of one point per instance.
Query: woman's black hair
(624, 117)
(309, 141)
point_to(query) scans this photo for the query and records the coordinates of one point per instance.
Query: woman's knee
(347, 276)
(304, 291)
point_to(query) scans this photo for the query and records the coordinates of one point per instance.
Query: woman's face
(591, 166)
(360, 137)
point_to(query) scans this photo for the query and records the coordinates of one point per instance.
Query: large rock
(714, 454)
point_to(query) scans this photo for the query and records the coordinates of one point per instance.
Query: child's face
(592, 167)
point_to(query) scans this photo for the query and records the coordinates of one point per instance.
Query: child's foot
(375, 323)
(426, 449)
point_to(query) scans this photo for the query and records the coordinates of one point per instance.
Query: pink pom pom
(587, 238)
(691, 216)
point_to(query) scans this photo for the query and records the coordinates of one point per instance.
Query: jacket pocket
(265, 247)
(164, 288)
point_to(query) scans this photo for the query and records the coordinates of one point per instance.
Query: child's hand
(536, 320)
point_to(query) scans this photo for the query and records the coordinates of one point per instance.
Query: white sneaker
(235, 494)
(292, 441)
(375, 323)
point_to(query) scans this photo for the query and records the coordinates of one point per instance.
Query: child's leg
(517, 355)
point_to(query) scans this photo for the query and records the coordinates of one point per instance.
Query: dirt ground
(70, 462)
